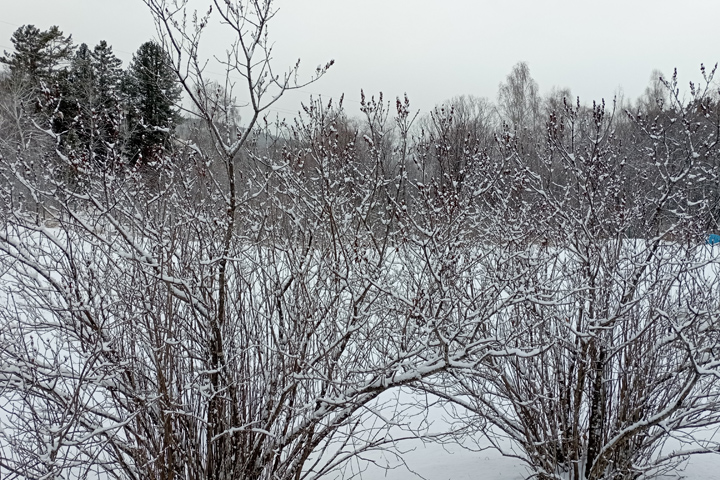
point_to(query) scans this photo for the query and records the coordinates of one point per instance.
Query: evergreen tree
(93, 100)
(37, 53)
(76, 92)
(40, 62)
(108, 107)
(152, 92)
(109, 75)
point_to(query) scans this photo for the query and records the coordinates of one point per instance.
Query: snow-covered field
(433, 462)
(451, 462)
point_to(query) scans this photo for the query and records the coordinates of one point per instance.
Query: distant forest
(112, 117)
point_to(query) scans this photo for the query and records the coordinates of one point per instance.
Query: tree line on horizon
(114, 118)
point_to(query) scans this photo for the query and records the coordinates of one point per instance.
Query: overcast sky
(434, 50)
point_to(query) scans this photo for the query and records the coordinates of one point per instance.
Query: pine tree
(38, 54)
(109, 75)
(90, 104)
(76, 88)
(152, 92)
(108, 106)
(90, 109)
(40, 62)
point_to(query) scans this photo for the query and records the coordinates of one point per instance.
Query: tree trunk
(597, 413)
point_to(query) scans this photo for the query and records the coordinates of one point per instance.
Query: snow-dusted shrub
(622, 300)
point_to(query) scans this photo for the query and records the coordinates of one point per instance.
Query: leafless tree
(452, 136)
(519, 100)
(621, 297)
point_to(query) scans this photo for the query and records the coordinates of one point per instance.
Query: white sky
(434, 50)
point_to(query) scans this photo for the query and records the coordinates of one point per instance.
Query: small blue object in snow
(713, 239)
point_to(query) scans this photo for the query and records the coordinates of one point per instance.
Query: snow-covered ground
(450, 462)
(433, 462)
